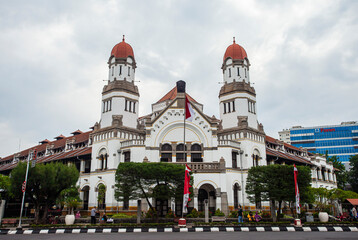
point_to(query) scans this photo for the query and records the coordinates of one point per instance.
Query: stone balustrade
(133, 142)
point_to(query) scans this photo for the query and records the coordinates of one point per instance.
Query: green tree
(353, 173)
(146, 180)
(275, 183)
(44, 185)
(4, 186)
(341, 174)
(70, 197)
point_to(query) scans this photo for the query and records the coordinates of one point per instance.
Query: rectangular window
(233, 106)
(248, 103)
(125, 105)
(229, 108)
(134, 107)
(110, 105)
(120, 69)
(112, 70)
(129, 71)
(127, 156)
(130, 106)
(234, 159)
(245, 73)
(224, 107)
(229, 72)
(238, 71)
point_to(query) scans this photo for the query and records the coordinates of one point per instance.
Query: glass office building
(337, 140)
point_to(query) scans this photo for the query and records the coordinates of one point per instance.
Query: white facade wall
(118, 108)
(231, 71)
(121, 71)
(230, 120)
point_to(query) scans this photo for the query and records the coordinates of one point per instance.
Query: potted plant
(70, 199)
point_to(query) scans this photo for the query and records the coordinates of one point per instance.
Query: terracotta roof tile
(172, 94)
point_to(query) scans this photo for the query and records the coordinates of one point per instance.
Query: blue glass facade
(339, 140)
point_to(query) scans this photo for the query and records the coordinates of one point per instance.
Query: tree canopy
(146, 180)
(275, 183)
(4, 186)
(353, 173)
(44, 185)
(341, 175)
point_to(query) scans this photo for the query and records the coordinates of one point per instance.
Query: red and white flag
(189, 112)
(186, 198)
(297, 191)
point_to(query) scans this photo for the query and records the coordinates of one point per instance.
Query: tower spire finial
(123, 38)
(233, 40)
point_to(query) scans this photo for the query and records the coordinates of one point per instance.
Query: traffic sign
(23, 188)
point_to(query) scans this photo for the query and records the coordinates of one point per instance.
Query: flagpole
(184, 130)
(182, 212)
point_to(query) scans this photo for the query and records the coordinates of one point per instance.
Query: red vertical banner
(186, 198)
(297, 191)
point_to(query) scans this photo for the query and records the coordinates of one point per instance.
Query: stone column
(196, 194)
(218, 198)
(139, 210)
(224, 204)
(82, 166)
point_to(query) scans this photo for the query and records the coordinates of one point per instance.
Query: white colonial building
(219, 151)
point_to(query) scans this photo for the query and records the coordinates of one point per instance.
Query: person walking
(239, 214)
(354, 213)
(93, 215)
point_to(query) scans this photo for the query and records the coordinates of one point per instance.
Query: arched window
(102, 158)
(236, 195)
(255, 158)
(166, 153)
(180, 153)
(196, 153)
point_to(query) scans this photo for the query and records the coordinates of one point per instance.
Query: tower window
(134, 107)
(224, 107)
(238, 71)
(228, 104)
(120, 69)
(129, 71)
(229, 72)
(233, 106)
(245, 73)
(112, 70)
(125, 105)
(130, 106)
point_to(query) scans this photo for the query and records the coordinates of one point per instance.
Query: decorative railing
(230, 143)
(205, 167)
(134, 142)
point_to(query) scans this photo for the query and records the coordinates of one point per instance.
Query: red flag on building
(297, 191)
(186, 198)
(189, 112)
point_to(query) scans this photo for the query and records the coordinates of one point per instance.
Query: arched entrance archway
(207, 191)
(161, 200)
(85, 198)
(101, 197)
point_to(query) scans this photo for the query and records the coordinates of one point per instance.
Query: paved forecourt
(193, 229)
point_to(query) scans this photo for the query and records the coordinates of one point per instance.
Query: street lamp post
(242, 181)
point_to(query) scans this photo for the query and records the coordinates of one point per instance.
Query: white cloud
(304, 57)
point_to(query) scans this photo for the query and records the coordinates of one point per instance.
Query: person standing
(93, 215)
(354, 213)
(239, 214)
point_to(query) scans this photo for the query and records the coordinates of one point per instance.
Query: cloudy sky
(53, 59)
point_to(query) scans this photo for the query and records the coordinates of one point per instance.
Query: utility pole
(24, 187)
(242, 181)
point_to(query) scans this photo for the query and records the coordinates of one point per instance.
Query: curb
(193, 229)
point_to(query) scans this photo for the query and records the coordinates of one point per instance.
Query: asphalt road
(196, 236)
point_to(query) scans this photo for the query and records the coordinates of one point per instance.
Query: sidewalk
(176, 229)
